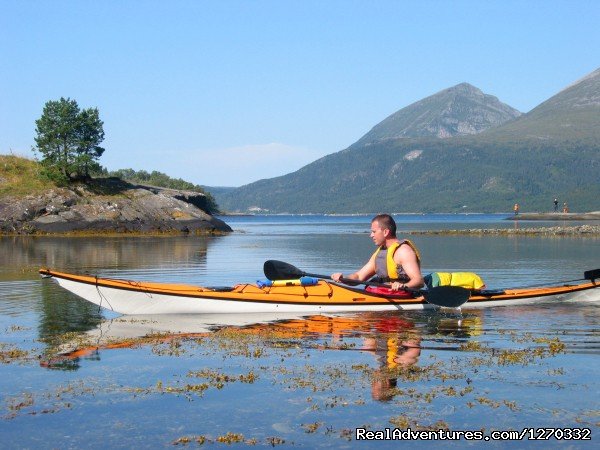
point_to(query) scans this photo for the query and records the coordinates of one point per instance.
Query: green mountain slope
(554, 150)
(570, 115)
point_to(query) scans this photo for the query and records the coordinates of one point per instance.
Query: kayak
(139, 297)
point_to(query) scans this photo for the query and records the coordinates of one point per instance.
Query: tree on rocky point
(68, 139)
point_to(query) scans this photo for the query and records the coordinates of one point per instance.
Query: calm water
(292, 381)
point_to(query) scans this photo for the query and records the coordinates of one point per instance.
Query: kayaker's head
(383, 227)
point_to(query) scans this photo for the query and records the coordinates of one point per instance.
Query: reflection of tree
(63, 313)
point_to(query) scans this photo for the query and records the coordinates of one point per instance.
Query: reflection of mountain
(91, 252)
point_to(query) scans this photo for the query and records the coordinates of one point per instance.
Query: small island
(68, 192)
(30, 204)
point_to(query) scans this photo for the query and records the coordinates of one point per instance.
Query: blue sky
(223, 93)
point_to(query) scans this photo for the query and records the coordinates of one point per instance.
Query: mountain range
(459, 150)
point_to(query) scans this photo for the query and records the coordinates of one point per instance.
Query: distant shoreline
(594, 215)
(582, 230)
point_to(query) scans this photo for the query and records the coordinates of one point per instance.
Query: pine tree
(68, 139)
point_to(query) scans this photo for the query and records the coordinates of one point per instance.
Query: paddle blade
(591, 274)
(447, 296)
(279, 270)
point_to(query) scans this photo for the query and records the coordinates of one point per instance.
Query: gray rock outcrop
(109, 206)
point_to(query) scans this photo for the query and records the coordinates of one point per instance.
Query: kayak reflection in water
(396, 346)
(395, 261)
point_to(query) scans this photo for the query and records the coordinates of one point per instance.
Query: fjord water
(292, 381)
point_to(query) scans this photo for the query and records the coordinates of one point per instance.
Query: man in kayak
(396, 262)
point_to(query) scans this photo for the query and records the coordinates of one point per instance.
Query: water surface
(77, 377)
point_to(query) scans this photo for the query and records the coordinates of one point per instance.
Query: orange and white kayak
(137, 297)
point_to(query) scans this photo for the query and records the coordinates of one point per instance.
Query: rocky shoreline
(108, 206)
(595, 215)
(582, 230)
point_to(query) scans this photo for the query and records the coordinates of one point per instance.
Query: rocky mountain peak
(459, 110)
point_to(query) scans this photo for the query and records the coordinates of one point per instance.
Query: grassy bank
(21, 176)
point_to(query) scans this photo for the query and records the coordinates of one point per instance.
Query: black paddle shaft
(445, 296)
